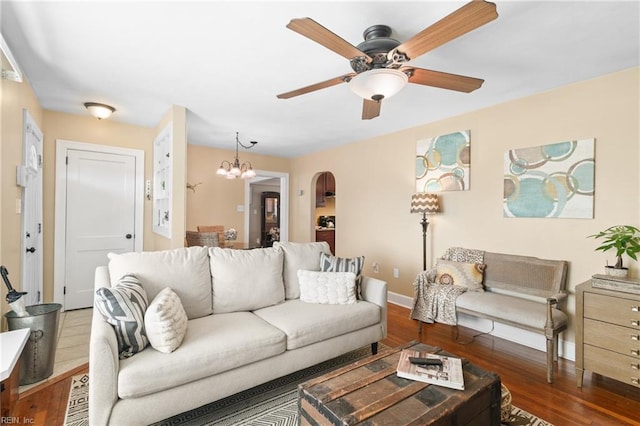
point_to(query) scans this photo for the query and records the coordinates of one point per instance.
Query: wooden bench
(520, 291)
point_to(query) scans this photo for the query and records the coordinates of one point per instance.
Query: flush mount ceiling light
(98, 110)
(378, 83)
(236, 170)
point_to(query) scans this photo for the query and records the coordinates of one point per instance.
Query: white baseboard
(513, 334)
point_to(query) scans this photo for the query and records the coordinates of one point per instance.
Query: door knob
(31, 250)
(128, 236)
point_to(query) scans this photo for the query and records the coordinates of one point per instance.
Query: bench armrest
(104, 363)
(375, 291)
(557, 299)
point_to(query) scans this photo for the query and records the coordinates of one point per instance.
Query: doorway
(324, 218)
(99, 207)
(265, 181)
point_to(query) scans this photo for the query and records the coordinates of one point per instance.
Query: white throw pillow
(246, 280)
(329, 288)
(165, 321)
(299, 256)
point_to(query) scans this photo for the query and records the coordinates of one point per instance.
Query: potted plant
(625, 239)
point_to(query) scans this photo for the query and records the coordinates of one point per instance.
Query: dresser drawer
(620, 367)
(624, 340)
(615, 310)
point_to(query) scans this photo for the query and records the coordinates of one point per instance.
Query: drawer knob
(635, 352)
(635, 366)
(635, 381)
(635, 309)
(635, 337)
(635, 323)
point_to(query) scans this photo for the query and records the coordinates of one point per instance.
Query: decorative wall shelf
(163, 181)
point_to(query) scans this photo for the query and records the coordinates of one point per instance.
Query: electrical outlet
(376, 268)
(396, 273)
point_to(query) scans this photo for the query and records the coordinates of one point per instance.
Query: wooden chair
(204, 239)
(219, 229)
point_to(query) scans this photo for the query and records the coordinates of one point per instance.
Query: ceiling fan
(379, 62)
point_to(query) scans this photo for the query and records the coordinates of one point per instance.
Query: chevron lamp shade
(423, 202)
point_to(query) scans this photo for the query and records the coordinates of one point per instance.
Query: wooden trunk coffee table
(369, 391)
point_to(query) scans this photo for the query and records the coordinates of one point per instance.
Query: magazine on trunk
(449, 374)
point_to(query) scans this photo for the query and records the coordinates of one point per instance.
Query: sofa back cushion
(245, 280)
(299, 256)
(184, 270)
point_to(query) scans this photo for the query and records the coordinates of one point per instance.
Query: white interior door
(30, 177)
(100, 218)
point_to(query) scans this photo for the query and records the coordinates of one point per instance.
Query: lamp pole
(424, 222)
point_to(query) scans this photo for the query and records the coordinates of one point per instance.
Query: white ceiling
(226, 62)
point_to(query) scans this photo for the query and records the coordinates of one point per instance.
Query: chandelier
(236, 170)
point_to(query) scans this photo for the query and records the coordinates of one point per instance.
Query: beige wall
(86, 129)
(14, 98)
(215, 199)
(372, 204)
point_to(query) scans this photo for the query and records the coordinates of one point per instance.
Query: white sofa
(246, 326)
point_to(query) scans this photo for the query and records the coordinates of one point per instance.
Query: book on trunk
(449, 374)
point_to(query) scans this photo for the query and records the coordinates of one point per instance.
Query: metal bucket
(38, 356)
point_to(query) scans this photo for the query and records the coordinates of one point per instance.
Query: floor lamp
(422, 202)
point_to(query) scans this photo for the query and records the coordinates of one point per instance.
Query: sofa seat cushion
(213, 344)
(307, 323)
(184, 270)
(527, 313)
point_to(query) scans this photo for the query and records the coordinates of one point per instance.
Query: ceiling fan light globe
(221, 171)
(235, 171)
(250, 173)
(378, 83)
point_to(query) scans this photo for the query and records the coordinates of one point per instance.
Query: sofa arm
(557, 299)
(104, 363)
(375, 291)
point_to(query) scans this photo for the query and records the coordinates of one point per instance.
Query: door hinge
(66, 160)
(39, 228)
(64, 290)
(39, 296)
(39, 160)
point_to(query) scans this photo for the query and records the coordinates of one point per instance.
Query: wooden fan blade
(443, 80)
(316, 32)
(370, 109)
(469, 17)
(312, 88)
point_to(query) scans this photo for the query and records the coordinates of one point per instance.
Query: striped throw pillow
(123, 306)
(330, 263)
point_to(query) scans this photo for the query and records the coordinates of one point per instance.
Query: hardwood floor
(600, 401)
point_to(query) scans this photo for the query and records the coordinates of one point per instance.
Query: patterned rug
(270, 404)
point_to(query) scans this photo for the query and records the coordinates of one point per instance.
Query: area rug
(271, 404)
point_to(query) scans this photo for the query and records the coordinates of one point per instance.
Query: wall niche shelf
(162, 181)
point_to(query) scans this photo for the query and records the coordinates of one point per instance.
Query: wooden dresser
(607, 333)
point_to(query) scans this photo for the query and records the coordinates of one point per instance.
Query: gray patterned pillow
(123, 306)
(330, 263)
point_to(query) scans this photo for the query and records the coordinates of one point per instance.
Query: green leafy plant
(625, 239)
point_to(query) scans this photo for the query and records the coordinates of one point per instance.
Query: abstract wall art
(442, 162)
(555, 180)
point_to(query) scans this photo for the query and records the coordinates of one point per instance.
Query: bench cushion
(213, 344)
(307, 323)
(510, 310)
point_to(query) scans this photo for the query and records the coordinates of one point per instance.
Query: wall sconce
(98, 110)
